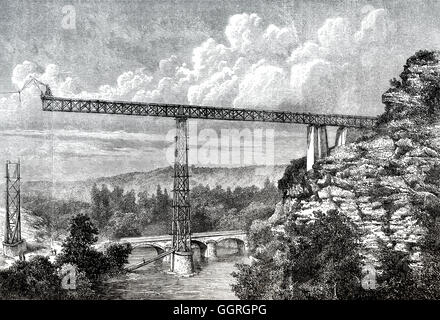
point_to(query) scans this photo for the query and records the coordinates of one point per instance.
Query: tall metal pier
(13, 244)
(181, 224)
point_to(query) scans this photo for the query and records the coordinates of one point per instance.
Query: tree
(129, 202)
(77, 249)
(116, 199)
(200, 220)
(313, 261)
(124, 225)
(101, 205)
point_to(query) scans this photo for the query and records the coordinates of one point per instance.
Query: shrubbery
(321, 261)
(124, 225)
(77, 249)
(33, 279)
(313, 261)
(38, 278)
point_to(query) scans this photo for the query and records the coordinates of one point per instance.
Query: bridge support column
(182, 260)
(341, 136)
(317, 144)
(182, 263)
(167, 258)
(241, 248)
(13, 244)
(211, 250)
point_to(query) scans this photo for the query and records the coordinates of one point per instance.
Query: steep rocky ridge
(387, 181)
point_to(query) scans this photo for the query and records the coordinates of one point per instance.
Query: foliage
(118, 213)
(117, 255)
(38, 278)
(33, 279)
(219, 209)
(397, 280)
(55, 214)
(84, 288)
(255, 278)
(243, 219)
(417, 94)
(313, 261)
(124, 225)
(100, 209)
(77, 249)
(295, 174)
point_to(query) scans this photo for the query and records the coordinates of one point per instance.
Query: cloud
(264, 86)
(376, 27)
(21, 73)
(335, 37)
(260, 65)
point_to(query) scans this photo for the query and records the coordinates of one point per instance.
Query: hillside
(32, 231)
(141, 181)
(386, 184)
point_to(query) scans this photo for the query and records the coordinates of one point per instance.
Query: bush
(314, 261)
(397, 280)
(251, 282)
(117, 255)
(33, 279)
(77, 249)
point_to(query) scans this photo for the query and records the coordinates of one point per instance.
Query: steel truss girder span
(51, 103)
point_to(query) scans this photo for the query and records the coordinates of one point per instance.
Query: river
(212, 281)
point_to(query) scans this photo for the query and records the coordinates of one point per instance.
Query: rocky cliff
(387, 181)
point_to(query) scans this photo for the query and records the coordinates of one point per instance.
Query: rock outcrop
(388, 180)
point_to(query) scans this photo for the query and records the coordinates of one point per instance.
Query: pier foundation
(341, 136)
(211, 251)
(182, 263)
(15, 249)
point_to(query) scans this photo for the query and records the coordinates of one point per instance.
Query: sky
(315, 56)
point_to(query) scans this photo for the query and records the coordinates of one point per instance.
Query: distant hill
(140, 181)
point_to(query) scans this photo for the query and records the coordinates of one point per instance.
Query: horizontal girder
(51, 103)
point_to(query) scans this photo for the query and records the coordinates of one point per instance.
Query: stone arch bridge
(207, 242)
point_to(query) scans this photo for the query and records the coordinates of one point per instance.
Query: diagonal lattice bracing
(12, 197)
(51, 103)
(181, 224)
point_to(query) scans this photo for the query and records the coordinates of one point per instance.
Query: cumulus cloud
(265, 85)
(376, 27)
(261, 65)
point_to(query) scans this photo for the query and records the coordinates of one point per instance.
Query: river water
(212, 281)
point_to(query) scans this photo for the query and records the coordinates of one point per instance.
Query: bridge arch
(241, 243)
(159, 248)
(201, 245)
